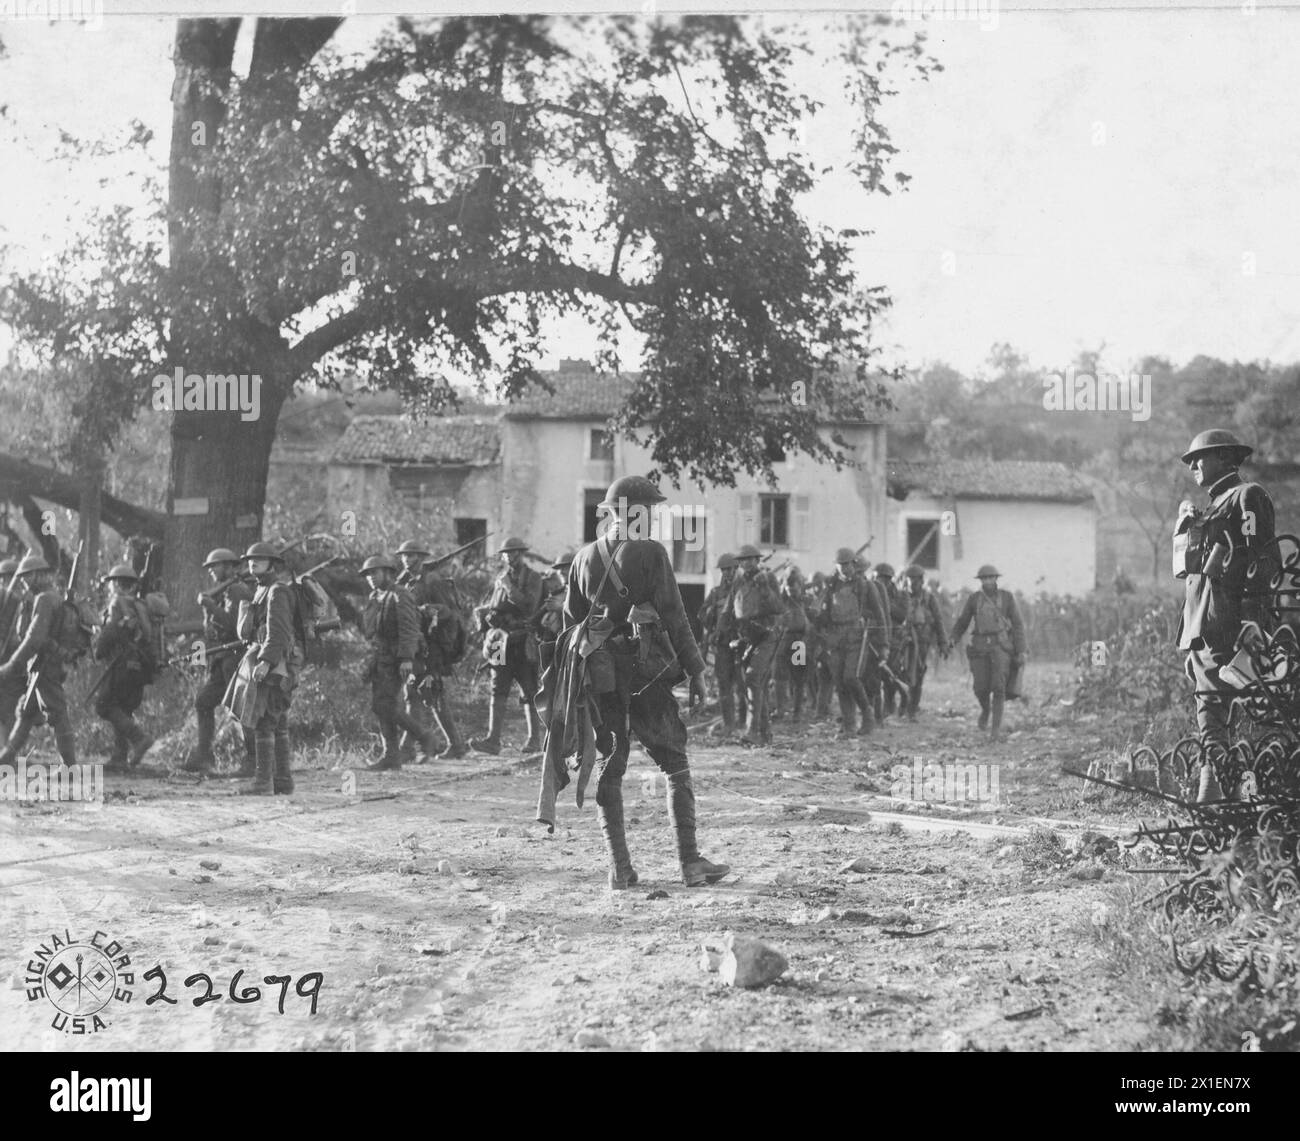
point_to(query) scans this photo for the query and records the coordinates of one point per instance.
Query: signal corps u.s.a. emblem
(79, 978)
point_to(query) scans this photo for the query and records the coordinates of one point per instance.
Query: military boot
(536, 735)
(248, 766)
(868, 726)
(141, 743)
(984, 712)
(727, 706)
(848, 718)
(65, 740)
(201, 759)
(995, 727)
(263, 783)
(621, 873)
(391, 761)
(456, 747)
(491, 744)
(696, 870)
(282, 778)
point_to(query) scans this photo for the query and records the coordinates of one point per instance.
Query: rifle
(147, 575)
(94, 689)
(451, 555)
(69, 598)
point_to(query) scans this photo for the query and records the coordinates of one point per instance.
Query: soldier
(436, 603)
(896, 611)
(220, 606)
(794, 653)
(852, 626)
(13, 601)
(997, 644)
(125, 641)
(511, 645)
(756, 608)
(1230, 559)
(640, 573)
(40, 651)
(719, 628)
(922, 629)
(879, 634)
(261, 692)
(550, 622)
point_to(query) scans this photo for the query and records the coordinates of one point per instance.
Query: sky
(1125, 178)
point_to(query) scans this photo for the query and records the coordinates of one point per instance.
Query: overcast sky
(1101, 176)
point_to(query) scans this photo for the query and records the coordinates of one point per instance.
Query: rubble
(750, 962)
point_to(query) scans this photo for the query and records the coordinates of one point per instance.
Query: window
(690, 550)
(774, 520)
(467, 530)
(923, 542)
(600, 445)
(591, 500)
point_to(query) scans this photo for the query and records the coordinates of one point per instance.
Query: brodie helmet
(123, 571)
(220, 555)
(1215, 440)
(512, 544)
(31, 564)
(726, 562)
(914, 571)
(377, 562)
(988, 570)
(412, 547)
(748, 551)
(845, 555)
(263, 551)
(632, 489)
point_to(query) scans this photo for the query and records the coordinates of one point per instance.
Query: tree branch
(20, 478)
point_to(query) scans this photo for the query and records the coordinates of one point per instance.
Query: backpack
(844, 603)
(313, 609)
(73, 624)
(989, 619)
(450, 637)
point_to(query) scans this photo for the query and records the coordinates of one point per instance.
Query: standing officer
(756, 607)
(13, 603)
(997, 644)
(438, 610)
(608, 578)
(126, 642)
(794, 654)
(719, 628)
(39, 650)
(274, 629)
(1230, 558)
(850, 616)
(511, 645)
(220, 625)
(922, 629)
(391, 625)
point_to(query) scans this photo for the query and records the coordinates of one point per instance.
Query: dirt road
(441, 917)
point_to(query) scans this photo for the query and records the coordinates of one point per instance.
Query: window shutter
(802, 523)
(747, 522)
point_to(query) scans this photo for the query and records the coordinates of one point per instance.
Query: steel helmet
(632, 489)
(884, 570)
(220, 555)
(30, 564)
(377, 562)
(915, 571)
(1213, 440)
(411, 547)
(988, 570)
(563, 561)
(8, 566)
(512, 544)
(845, 555)
(123, 571)
(726, 562)
(263, 551)
(748, 551)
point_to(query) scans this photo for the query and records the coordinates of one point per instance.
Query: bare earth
(520, 945)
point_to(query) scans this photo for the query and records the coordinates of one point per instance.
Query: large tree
(428, 203)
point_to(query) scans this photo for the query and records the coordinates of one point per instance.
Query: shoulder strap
(605, 549)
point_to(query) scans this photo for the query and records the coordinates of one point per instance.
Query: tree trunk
(88, 512)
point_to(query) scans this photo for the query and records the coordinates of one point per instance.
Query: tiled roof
(578, 396)
(452, 440)
(987, 479)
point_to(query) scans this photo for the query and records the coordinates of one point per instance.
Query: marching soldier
(896, 612)
(794, 654)
(922, 629)
(263, 686)
(13, 604)
(719, 628)
(436, 602)
(220, 629)
(39, 655)
(756, 608)
(550, 622)
(852, 627)
(125, 641)
(997, 644)
(1231, 557)
(609, 577)
(880, 634)
(511, 645)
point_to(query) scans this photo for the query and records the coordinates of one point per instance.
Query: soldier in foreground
(220, 629)
(1228, 556)
(608, 578)
(391, 624)
(263, 686)
(997, 645)
(757, 609)
(126, 642)
(719, 628)
(922, 630)
(39, 657)
(511, 646)
(437, 611)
